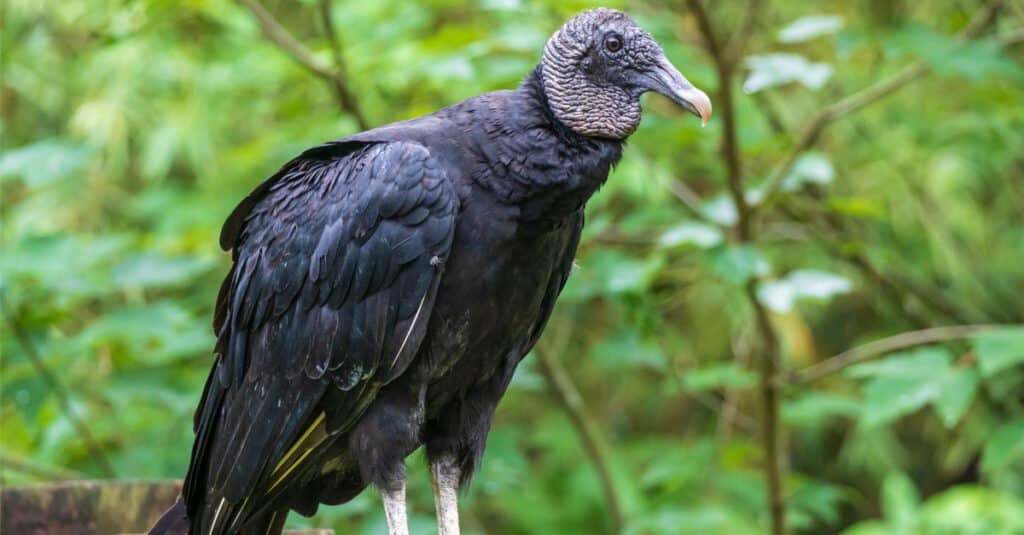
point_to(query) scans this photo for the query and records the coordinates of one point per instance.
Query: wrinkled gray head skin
(597, 65)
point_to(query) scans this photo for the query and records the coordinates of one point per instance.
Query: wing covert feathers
(337, 259)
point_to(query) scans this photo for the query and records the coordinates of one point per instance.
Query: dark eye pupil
(613, 44)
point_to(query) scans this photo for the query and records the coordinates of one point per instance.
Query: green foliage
(130, 129)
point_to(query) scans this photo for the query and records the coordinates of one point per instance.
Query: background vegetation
(812, 306)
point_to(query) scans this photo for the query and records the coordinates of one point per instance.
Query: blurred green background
(130, 130)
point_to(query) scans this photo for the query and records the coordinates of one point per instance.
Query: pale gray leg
(444, 475)
(394, 510)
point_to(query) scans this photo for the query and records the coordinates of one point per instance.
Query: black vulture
(386, 285)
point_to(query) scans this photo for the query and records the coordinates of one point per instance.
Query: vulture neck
(540, 164)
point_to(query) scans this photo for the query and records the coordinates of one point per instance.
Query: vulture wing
(337, 260)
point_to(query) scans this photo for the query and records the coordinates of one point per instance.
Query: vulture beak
(667, 80)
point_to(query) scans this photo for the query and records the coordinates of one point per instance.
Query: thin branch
(569, 397)
(706, 29)
(771, 436)
(729, 148)
(863, 98)
(770, 112)
(349, 101)
(887, 345)
(738, 42)
(767, 351)
(277, 34)
(689, 198)
(332, 36)
(63, 399)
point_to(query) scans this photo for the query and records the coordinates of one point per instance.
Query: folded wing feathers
(334, 277)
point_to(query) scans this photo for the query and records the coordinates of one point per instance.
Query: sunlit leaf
(972, 509)
(809, 168)
(721, 210)
(956, 392)
(772, 70)
(999, 349)
(900, 501)
(809, 27)
(715, 376)
(780, 295)
(856, 207)
(691, 233)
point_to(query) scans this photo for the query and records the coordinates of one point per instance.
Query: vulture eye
(613, 43)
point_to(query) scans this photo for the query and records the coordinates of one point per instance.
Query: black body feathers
(384, 288)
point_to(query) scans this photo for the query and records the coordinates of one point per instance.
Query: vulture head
(597, 65)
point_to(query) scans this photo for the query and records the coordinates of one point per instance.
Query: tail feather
(173, 522)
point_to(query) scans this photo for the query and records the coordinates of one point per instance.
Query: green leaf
(999, 349)
(155, 334)
(738, 263)
(626, 349)
(773, 70)
(818, 500)
(976, 61)
(900, 501)
(149, 270)
(915, 363)
(890, 398)
(809, 27)
(780, 295)
(42, 162)
(632, 275)
(856, 207)
(1005, 447)
(608, 272)
(957, 389)
(715, 376)
(815, 409)
(868, 527)
(972, 509)
(905, 382)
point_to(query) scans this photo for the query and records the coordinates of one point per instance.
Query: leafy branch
(867, 96)
(726, 57)
(766, 349)
(335, 77)
(879, 348)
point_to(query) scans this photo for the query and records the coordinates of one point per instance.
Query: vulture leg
(444, 474)
(394, 510)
